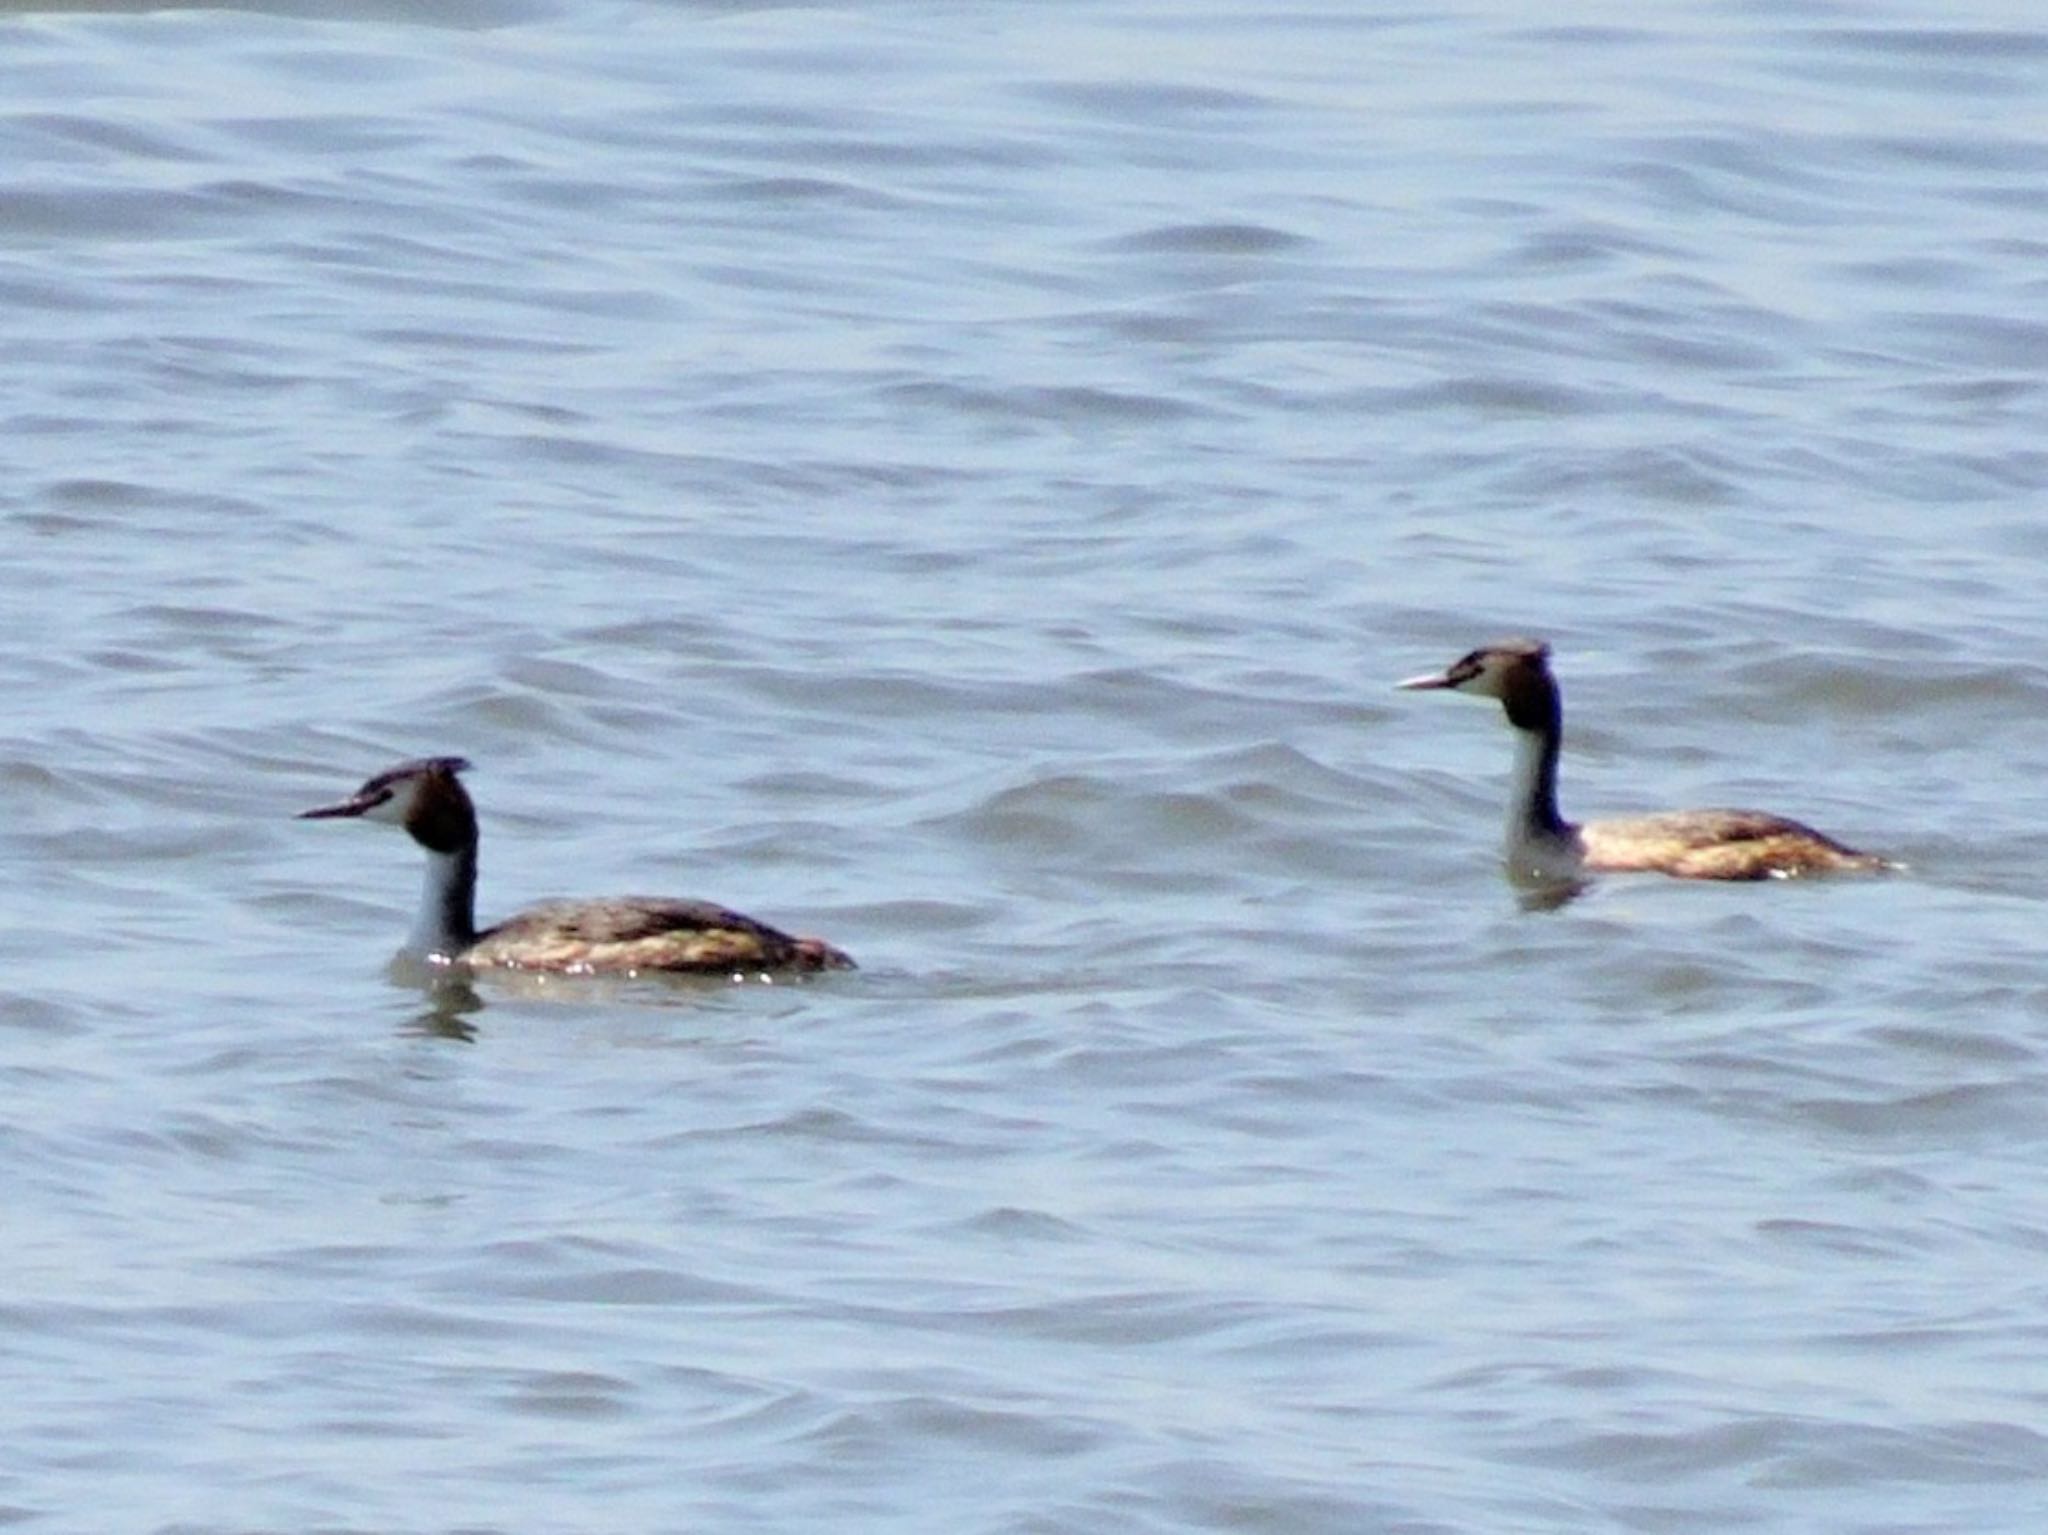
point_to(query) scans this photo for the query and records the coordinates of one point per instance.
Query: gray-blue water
(961, 479)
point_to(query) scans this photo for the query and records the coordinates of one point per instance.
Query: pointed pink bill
(359, 804)
(1432, 680)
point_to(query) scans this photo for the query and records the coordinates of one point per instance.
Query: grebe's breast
(639, 933)
(1718, 844)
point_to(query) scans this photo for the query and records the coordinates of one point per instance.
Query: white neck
(446, 924)
(1540, 842)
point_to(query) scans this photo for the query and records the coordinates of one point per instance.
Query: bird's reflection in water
(451, 1000)
(1534, 894)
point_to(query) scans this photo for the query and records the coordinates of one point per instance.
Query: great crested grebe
(1690, 844)
(612, 937)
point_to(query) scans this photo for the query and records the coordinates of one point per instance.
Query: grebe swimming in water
(1690, 844)
(621, 936)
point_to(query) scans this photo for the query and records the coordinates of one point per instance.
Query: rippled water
(961, 480)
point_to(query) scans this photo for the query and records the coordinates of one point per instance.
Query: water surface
(962, 481)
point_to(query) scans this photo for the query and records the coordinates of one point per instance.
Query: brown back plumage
(646, 933)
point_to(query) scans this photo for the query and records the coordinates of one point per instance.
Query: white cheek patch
(1490, 683)
(389, 811)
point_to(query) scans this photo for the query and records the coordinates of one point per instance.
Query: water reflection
(451, 999)
(1533, 894)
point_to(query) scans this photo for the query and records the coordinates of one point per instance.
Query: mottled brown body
(640, 933)
(1718, 844)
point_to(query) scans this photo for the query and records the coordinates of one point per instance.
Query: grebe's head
(1517, 672)
(424, 796)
